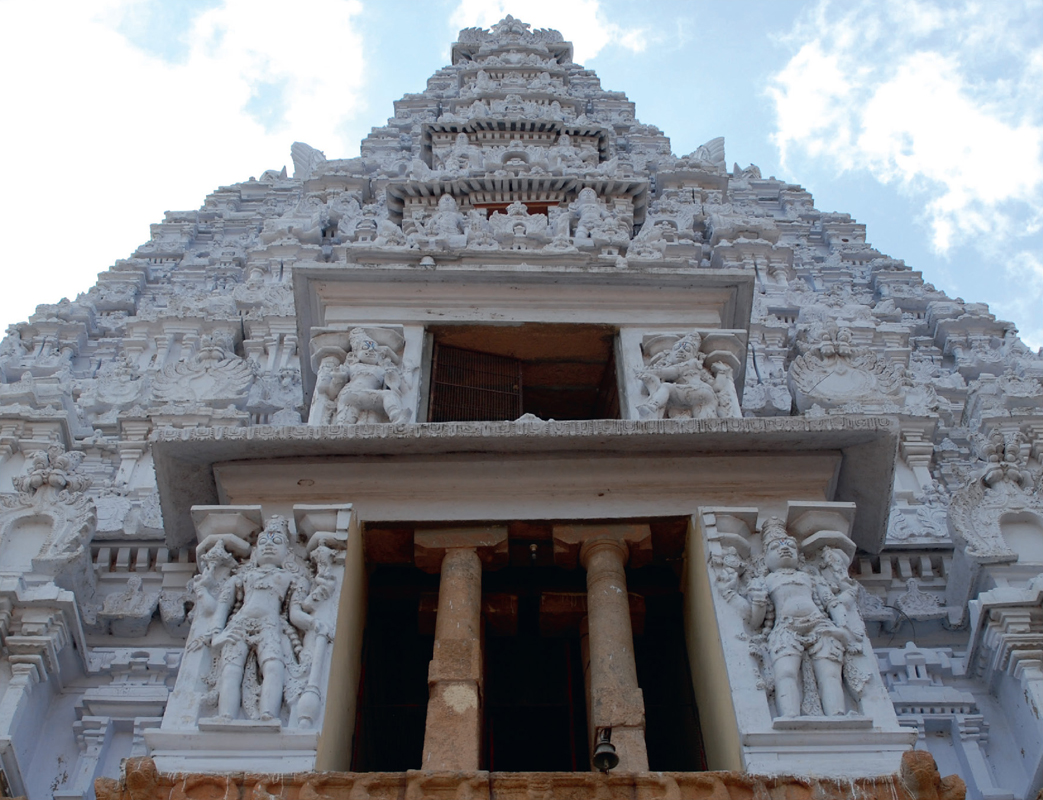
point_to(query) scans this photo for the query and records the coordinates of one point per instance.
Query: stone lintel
(918, 780)
(191, 464)
(429, 547)
(569, 540)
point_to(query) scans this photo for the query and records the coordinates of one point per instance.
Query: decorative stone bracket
(253, 685)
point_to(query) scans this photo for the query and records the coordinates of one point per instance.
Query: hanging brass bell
(605, 757)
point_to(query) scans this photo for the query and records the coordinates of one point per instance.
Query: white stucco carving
(514, 189)
(265, 610)
(360, 377)
(802, 620)
(679, 383)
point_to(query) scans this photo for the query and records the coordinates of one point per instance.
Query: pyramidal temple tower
(518, 457)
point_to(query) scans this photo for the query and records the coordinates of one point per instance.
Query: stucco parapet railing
(918, 780)
(184, 458)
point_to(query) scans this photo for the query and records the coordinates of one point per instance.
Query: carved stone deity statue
(680, 386)
(463, 155)
(373, 383)
(808, 620)
(588, 213)
(447, 221)
(258, 616)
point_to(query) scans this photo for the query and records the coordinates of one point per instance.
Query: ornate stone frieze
(214, 376)
(684, 375)
(46, 529)
(918, 779)
(1004, 489)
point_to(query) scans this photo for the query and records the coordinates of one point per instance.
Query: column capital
(600, 544)
(572, 542)
(430, 546)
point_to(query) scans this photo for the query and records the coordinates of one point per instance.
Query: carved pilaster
(365, 374)
(786, 623)
(257, 662)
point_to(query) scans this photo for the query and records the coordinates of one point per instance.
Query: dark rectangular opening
(392, 708)
(672, 733)
(496, 372)
(535, 699)
(534, 695)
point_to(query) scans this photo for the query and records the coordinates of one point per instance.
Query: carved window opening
(498, 372)
(534, 698)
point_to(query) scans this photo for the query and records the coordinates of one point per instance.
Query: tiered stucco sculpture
(515, 190)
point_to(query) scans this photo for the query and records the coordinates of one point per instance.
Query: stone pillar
(453, 734)
(616, 702)
(614, 699)
(452, 738)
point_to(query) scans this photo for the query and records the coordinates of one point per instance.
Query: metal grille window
(468, 385)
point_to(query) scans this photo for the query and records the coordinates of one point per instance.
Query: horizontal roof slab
(865, 448)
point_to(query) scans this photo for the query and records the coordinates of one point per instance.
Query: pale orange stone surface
(918, 780)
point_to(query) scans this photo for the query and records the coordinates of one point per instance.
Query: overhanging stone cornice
(185, 458)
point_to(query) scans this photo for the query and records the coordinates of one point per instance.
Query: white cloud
(581, 22)
(133, 134)
(943, 100)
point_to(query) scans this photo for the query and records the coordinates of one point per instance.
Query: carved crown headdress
(773, 530)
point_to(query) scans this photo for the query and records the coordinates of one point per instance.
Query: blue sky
(921, 118)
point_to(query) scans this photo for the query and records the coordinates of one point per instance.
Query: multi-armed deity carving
(800, 608)
(360, 377)
(679, 384)
(265, 614)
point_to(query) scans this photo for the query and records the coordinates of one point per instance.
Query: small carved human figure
(330, 378)
(447, 220)
(678, 384)
(215, 568)
(798, 611)
(588, 212)
(463, 155)
(843, 609)
(268, 623)
(374, 383)
(724, 387)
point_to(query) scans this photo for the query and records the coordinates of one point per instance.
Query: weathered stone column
(453, 734)
(615, 701)
(452, 738)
